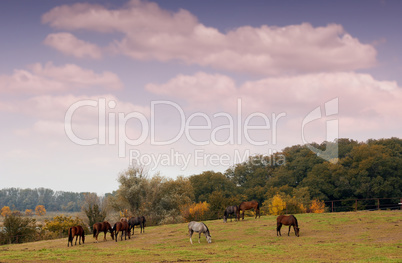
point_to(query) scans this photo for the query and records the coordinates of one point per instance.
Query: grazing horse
(76, 231)
(123, 227)
(102, 227)
(287, 221)
(247, 206)
(200, 228)
(230, 210)
(135, 221)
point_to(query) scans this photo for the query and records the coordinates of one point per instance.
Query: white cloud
(364, 102)
(50, 78)
(70, 45)
(151, 33)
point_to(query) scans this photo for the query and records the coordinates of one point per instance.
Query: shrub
(196, 211)
(317, 206)
(60, 224)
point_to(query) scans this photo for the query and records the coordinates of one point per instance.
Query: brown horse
(247, 206)
(76, 231)
(287, 221)
(102, 227)
(123, 227)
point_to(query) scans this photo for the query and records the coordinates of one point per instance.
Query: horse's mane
(206, 227)
(297, 225)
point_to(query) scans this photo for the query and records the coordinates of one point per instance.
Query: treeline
(22, 199)
(371, 169)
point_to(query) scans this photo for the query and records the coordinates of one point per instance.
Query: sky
(88, 89)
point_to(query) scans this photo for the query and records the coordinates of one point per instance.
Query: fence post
(356, 205)
(378, 204)
(332, 206)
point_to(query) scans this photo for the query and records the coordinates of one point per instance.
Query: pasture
(365, 236)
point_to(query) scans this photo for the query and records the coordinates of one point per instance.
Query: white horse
(198, 227)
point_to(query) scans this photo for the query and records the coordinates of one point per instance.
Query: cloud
(50, 78)
(363, 101)
(151, 33)
(70, 45)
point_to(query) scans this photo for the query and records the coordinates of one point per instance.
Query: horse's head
(209, 239)
(297, 231)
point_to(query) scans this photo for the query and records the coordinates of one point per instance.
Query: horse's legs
(278, 229)
(289, 229)
(199, 237)
(190, 233)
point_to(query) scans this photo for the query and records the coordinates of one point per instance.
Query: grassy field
(332, 237)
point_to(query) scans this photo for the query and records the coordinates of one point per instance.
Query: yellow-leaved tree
(195, 211)
(276, 205)
(40, 210)
(5, 211)
(317, 206)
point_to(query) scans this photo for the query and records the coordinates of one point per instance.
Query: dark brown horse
(123, 227)
(135, 221)
(247, 206)
(102, 227)
(287, 221)
(76, 231)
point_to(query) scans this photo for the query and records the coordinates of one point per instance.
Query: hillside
(352, 236)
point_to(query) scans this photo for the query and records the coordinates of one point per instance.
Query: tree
(94, 209)
(206, 183)
(317, 206)
(40, 210)
(18, 229)
(276, 205)
(5, 211)
(28, 212)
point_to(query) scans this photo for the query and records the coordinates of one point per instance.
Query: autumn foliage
(5, 211)
(276, 205)
(195, 211)
(40, 210)
(317, 206)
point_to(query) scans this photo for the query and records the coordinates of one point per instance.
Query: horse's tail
(94, 230)
(70, 234)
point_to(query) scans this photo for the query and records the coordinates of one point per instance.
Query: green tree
(18, 229)
(94, 209)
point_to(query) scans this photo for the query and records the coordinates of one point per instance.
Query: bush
(195, 212)
(18, 229)
(60, 224)
(317, 206)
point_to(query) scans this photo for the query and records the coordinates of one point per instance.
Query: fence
(363, 204)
